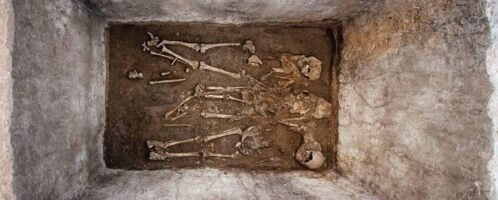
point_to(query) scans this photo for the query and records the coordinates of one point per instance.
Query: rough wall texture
(6, 38)
(58, 110)
(492, 64)
(223, 184)
(414, 93)
(228, 11)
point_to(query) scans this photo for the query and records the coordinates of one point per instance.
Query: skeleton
(204, 66)
(254, 61)
(167, 81)
(135, 75)
(251, 140)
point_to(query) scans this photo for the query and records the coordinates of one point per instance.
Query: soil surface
(136, 109)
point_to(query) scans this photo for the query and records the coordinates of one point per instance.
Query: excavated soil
(136, 110)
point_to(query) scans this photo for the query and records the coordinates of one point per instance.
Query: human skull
(310, 67)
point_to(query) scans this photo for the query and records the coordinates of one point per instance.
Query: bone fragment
(194, 46)
(254, 61)
(167, 81)
(165, 73)
(145, 47)
(135, 75)
(249, 46)
(233, 131)
(205, 47)
(166, 155)
(204, 66)
(165, 145)
(169, 113)
(193, 64)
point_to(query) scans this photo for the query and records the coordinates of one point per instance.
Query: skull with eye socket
(310, 67)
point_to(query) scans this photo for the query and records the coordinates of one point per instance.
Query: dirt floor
(136, 110)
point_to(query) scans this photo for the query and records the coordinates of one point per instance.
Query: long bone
(165, 145)
(193, 64)
(206, 154)
(205, 47)
(194, 46)
(226, 89)
(204, 66)
(221, 116)
(165, 155)
(167, 81)
(199, 89)
(226, 97)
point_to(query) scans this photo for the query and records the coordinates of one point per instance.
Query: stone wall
(6, 38)
(414, 91)
(228, 11)
(492, 64)
(58, 113)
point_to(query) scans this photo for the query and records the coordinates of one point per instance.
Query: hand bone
(204, 66)
(205, 47)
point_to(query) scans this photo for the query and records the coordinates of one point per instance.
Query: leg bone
(194, 46)
(211, 154)
(234, 131)
(205, 66)
(167, 81)
(226, 97)
(169, 113)
(165, 145)
(166, 155)
(193, 64)
(205, 47)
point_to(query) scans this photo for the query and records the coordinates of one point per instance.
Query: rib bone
(167, 81)
(193, 64)
(205, 66)
(205, 47)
